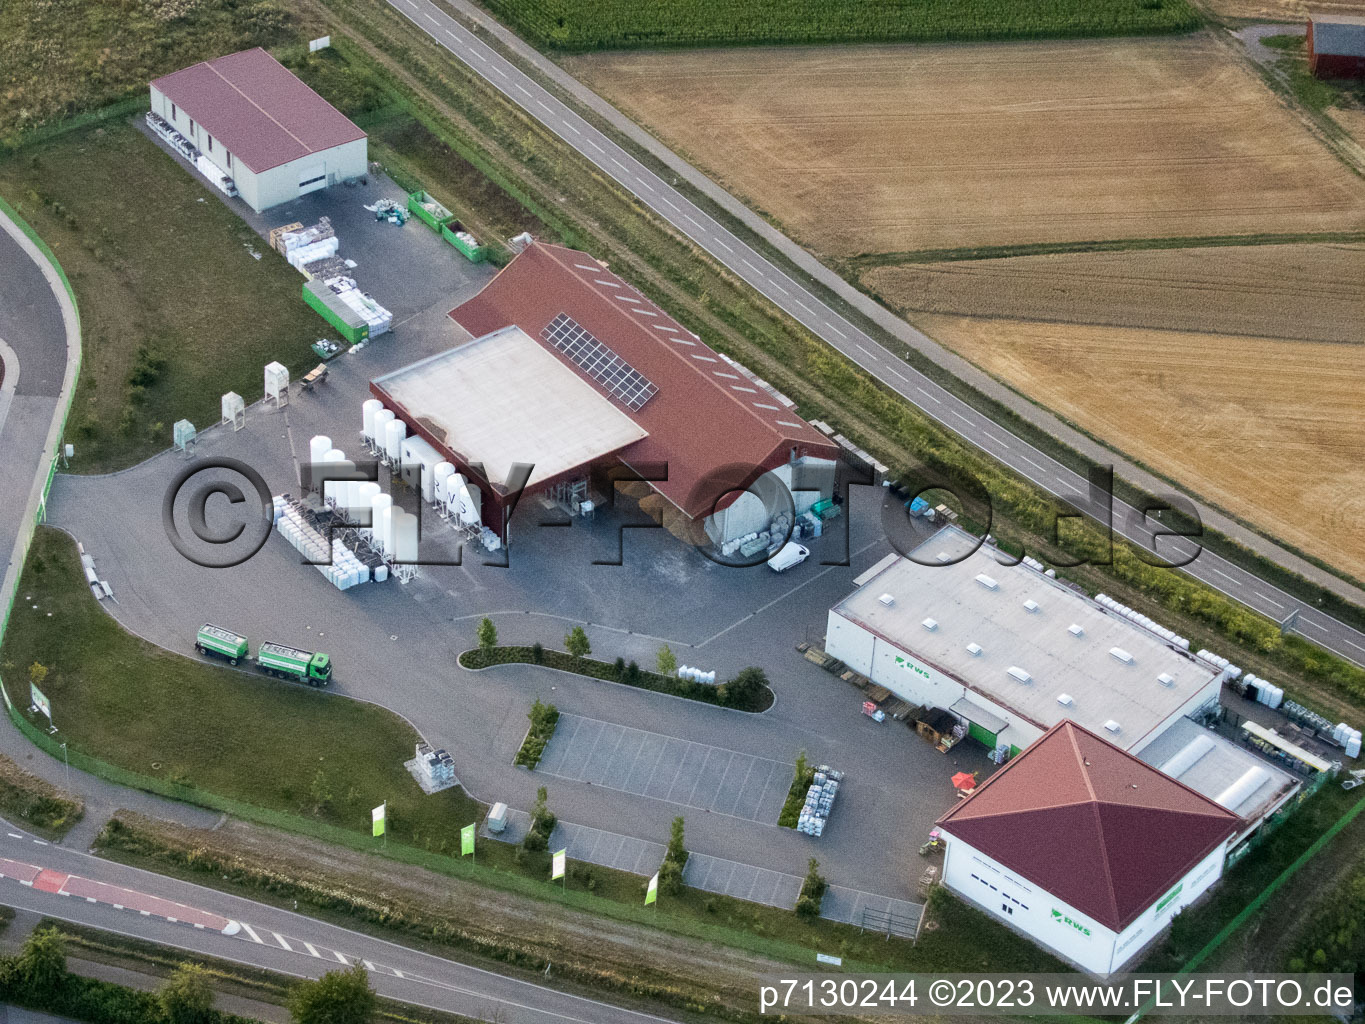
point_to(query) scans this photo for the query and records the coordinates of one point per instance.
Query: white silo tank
(318, 447)
(404, 536)
(395, 432)
(382, 419)
(469, 511)
(444, 471)
(367, 411)
(378, 504)
(383, 530)
(475, 503)
(366, 493)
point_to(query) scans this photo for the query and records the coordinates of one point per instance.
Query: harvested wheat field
(877, 149)
(1271, 430)
(1309, 292)
(1282, 10)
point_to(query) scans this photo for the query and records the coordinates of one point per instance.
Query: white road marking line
(427, 15)
(118, 906)
(779, 288)
(694, 222)
(670, 204)
(1320, 629)
(927, 395)
(91, 899)
(523, 89)
(476, 53)
(619, 164)
(836, 330)
(312, 949)
(252, 933)
(1263, 597)
(808, 310)
(369, 966)
(397, 973)
(340, 957)
(1225, 576)
(866, 349)
(545, 106)
(41, 842)
(1032, 463)
(572, 128)
(1354, 644)
(1002, 444)
(595, 146)
(960, 416)
(283, 944)
(145, 913)
(14, 835)
(501, 73)
(723, 245)
(892, 369)
(751, 267)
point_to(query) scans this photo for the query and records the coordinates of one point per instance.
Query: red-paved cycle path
(62, 884)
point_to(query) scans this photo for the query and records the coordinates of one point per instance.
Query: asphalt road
(86, 890)
(803, 306)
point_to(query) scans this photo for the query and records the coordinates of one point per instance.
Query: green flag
(557, 869)
(377, 818)
(652, 893)
(466, 840)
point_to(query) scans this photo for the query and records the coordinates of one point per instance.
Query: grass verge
(593, 669)
(35, 803)
(174, 308)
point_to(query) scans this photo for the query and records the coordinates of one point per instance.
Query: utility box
(277, 383)
(497, 818)
(234, 410)
(183, 434)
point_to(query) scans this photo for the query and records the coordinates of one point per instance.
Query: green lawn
(174, 309)
(578, 25)
(233, 733)
(60, 57)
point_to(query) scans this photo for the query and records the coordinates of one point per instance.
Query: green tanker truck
(279, 660)
(285, 662)
(221, 643)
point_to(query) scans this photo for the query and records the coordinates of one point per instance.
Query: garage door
(981, 734)
(312, 178)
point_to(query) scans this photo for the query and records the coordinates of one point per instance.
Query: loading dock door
(312, 178)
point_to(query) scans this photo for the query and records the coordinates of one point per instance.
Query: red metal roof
(713, 427)
(257, 109)
(1091, 824)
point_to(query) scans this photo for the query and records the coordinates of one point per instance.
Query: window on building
(229, 162)
(312, 181)
(191, 120)
(173, 112)
(1007, 909)
(210, 138)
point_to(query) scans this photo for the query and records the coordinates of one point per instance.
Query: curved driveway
(793, 298)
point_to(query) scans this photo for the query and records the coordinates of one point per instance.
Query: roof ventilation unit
(1015, 672)
(944, 557)
(887, 600)
(1166, 679)
(1065, 700)
(1031, 605)
(1121, 655)
(930, 624)
(1112, 726)
(987, 582)
(1075, 629)
(974, 650)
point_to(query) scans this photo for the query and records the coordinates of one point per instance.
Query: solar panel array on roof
(617, 376)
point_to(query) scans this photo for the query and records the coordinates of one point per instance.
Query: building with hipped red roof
(260, 126)
(574, 372)
(1084, 848)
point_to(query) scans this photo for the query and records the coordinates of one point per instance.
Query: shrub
(745, 688)
(812, 891)
(543, 822)
(537, 653)
(186, 996)
(338, 997)
(667, 661)
(488, 635)
(576, 643)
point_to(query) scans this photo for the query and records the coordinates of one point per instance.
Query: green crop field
(583, 25)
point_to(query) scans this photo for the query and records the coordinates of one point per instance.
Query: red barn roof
(257, 109)
(707, 420)
(1091, 824)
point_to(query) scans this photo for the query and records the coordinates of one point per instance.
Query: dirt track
(1270, 429)
(896, 148)
(1282, 10)
(1310, 292)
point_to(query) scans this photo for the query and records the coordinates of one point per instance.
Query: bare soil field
(877, 149)
(1281, 10)
(1310, 292)
(1269, 429)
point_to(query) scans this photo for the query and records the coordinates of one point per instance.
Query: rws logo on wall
(910, 666)
(1058, 916)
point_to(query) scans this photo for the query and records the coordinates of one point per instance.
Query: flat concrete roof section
(967, 611)
(1214, 766)
(503, 399)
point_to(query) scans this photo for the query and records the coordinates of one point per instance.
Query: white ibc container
(367, 414)
(1353, 744)
(395, 431)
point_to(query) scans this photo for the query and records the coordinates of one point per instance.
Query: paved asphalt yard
(666, 768)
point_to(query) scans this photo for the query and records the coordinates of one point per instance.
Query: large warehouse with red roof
(574, 372)
(266, 131)
(1084, 848)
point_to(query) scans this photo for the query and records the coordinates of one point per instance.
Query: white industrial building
(1012, 651)
(1084, 848)
(254, 125)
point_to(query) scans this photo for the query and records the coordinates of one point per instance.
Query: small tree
(338, 997)
(42, 962)
(186, 996)
(744, 689)
(576, 643)
(620, 668)
(537, 652)
(667, 661)
(543, 822)
(812, 891)
(37, 674)
(488, 635)
(802, 766)
(675, 859)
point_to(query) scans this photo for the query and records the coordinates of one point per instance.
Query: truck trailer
(220, 642)
(286, 662)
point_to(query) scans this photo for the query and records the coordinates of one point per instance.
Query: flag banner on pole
(557, 870)
(466, 840)
(377, 818)
(652, 893)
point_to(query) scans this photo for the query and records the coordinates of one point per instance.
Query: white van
(791, 554)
